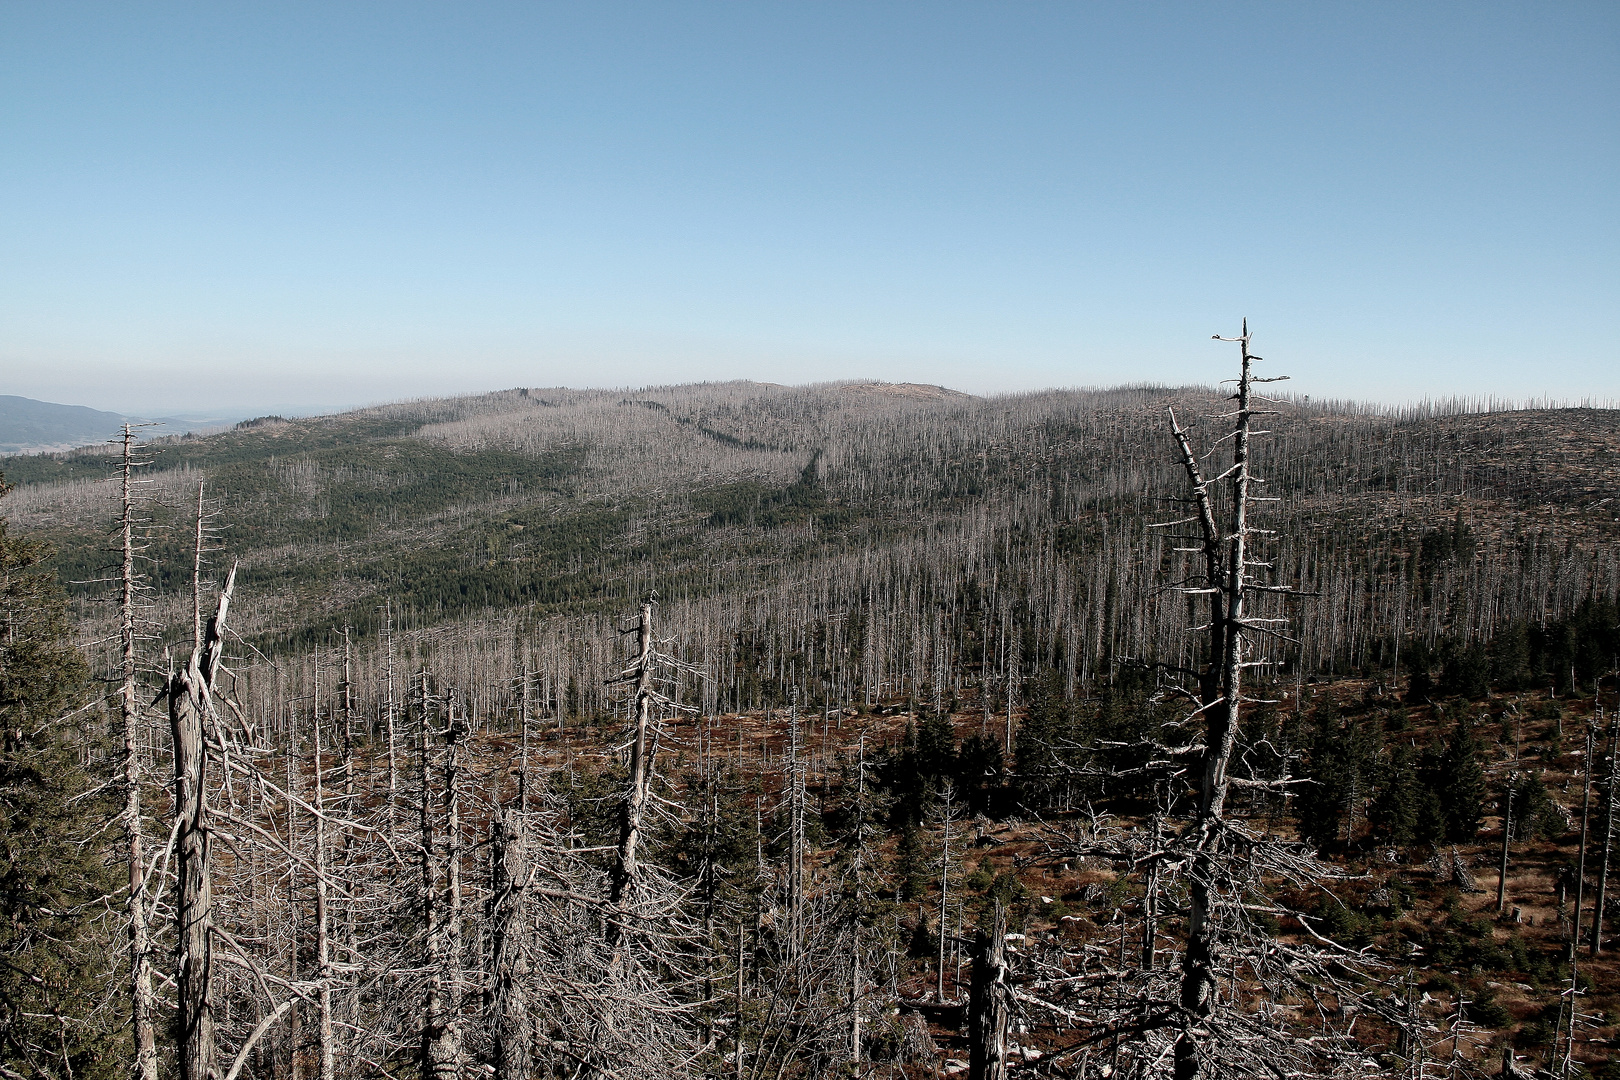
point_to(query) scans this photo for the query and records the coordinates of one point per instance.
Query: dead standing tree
(1230, 1007)
(132, 587)
(1220, 693)
(647, 933)
(191, 710)
(1235, 975)
(642, 749)
(987, 1001)
(441, 888)
(512, 1034)
(627, 874)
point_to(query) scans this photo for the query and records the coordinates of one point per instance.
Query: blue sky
(232, 206)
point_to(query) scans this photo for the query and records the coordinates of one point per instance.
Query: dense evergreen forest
(766, 732)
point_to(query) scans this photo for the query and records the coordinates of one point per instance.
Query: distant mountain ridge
(29, 426)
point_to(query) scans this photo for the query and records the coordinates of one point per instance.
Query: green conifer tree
(56, 944)
(1395, 811)
(1046, 743)
(1458, 783)
(1535, 817)
(978, 771)
(1342, 766)
(911, 869)
(935, 758)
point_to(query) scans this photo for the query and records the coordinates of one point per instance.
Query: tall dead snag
(947, 821)
(323, 912)
(641, 1027)
(796, 823)
(140, 932)
(987, 1001)
(634, 807)
(389, 715)
(191, 708)
(441, 903)
(1507, 838)
(1231, 872)
(1221, 698)
(1611, 801)
(1580, 862)
(445, 1054)
(1230, 1007)
(509, 928)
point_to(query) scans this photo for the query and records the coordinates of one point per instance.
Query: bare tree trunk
(140, 934)
(450, 1068)
(858, 870)
(1150, 903)
(987, 1006)
(1580, 863)
(190, 703)
(635, 799)
(390, 714)
(323, 928)
(711, 814)
(948, 814)
(1221, 696)
(855, 1001)
(523, 738)
(428, 846)
(1608, 837)
(1507, 834)
(509, 955)
(350, 806)
(737, 1057)
(295, 1012)
(795, 867)
(441, 1042)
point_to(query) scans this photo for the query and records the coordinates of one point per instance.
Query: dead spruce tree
(1255, 989)
(512, 1029)
(132, 592)
(987, 1000)
(441, 749)
(642, 748)
(620, 1001)
(191, 712)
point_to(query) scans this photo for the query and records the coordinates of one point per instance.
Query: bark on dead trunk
(987, 1007)
(140, 934)
(509, 955)
(441, 1035)
(323, 917)
(1580, 863)
(1221, 694)
(190, 703)
(1608, 837)
(634, 806)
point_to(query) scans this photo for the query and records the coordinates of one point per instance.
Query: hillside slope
(955, 594)
(562, 501)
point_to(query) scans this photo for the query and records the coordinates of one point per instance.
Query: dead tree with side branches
(1258, 990)
(191, 713)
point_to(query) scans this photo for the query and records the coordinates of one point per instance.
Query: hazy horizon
(234, 413)
(210, 207)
